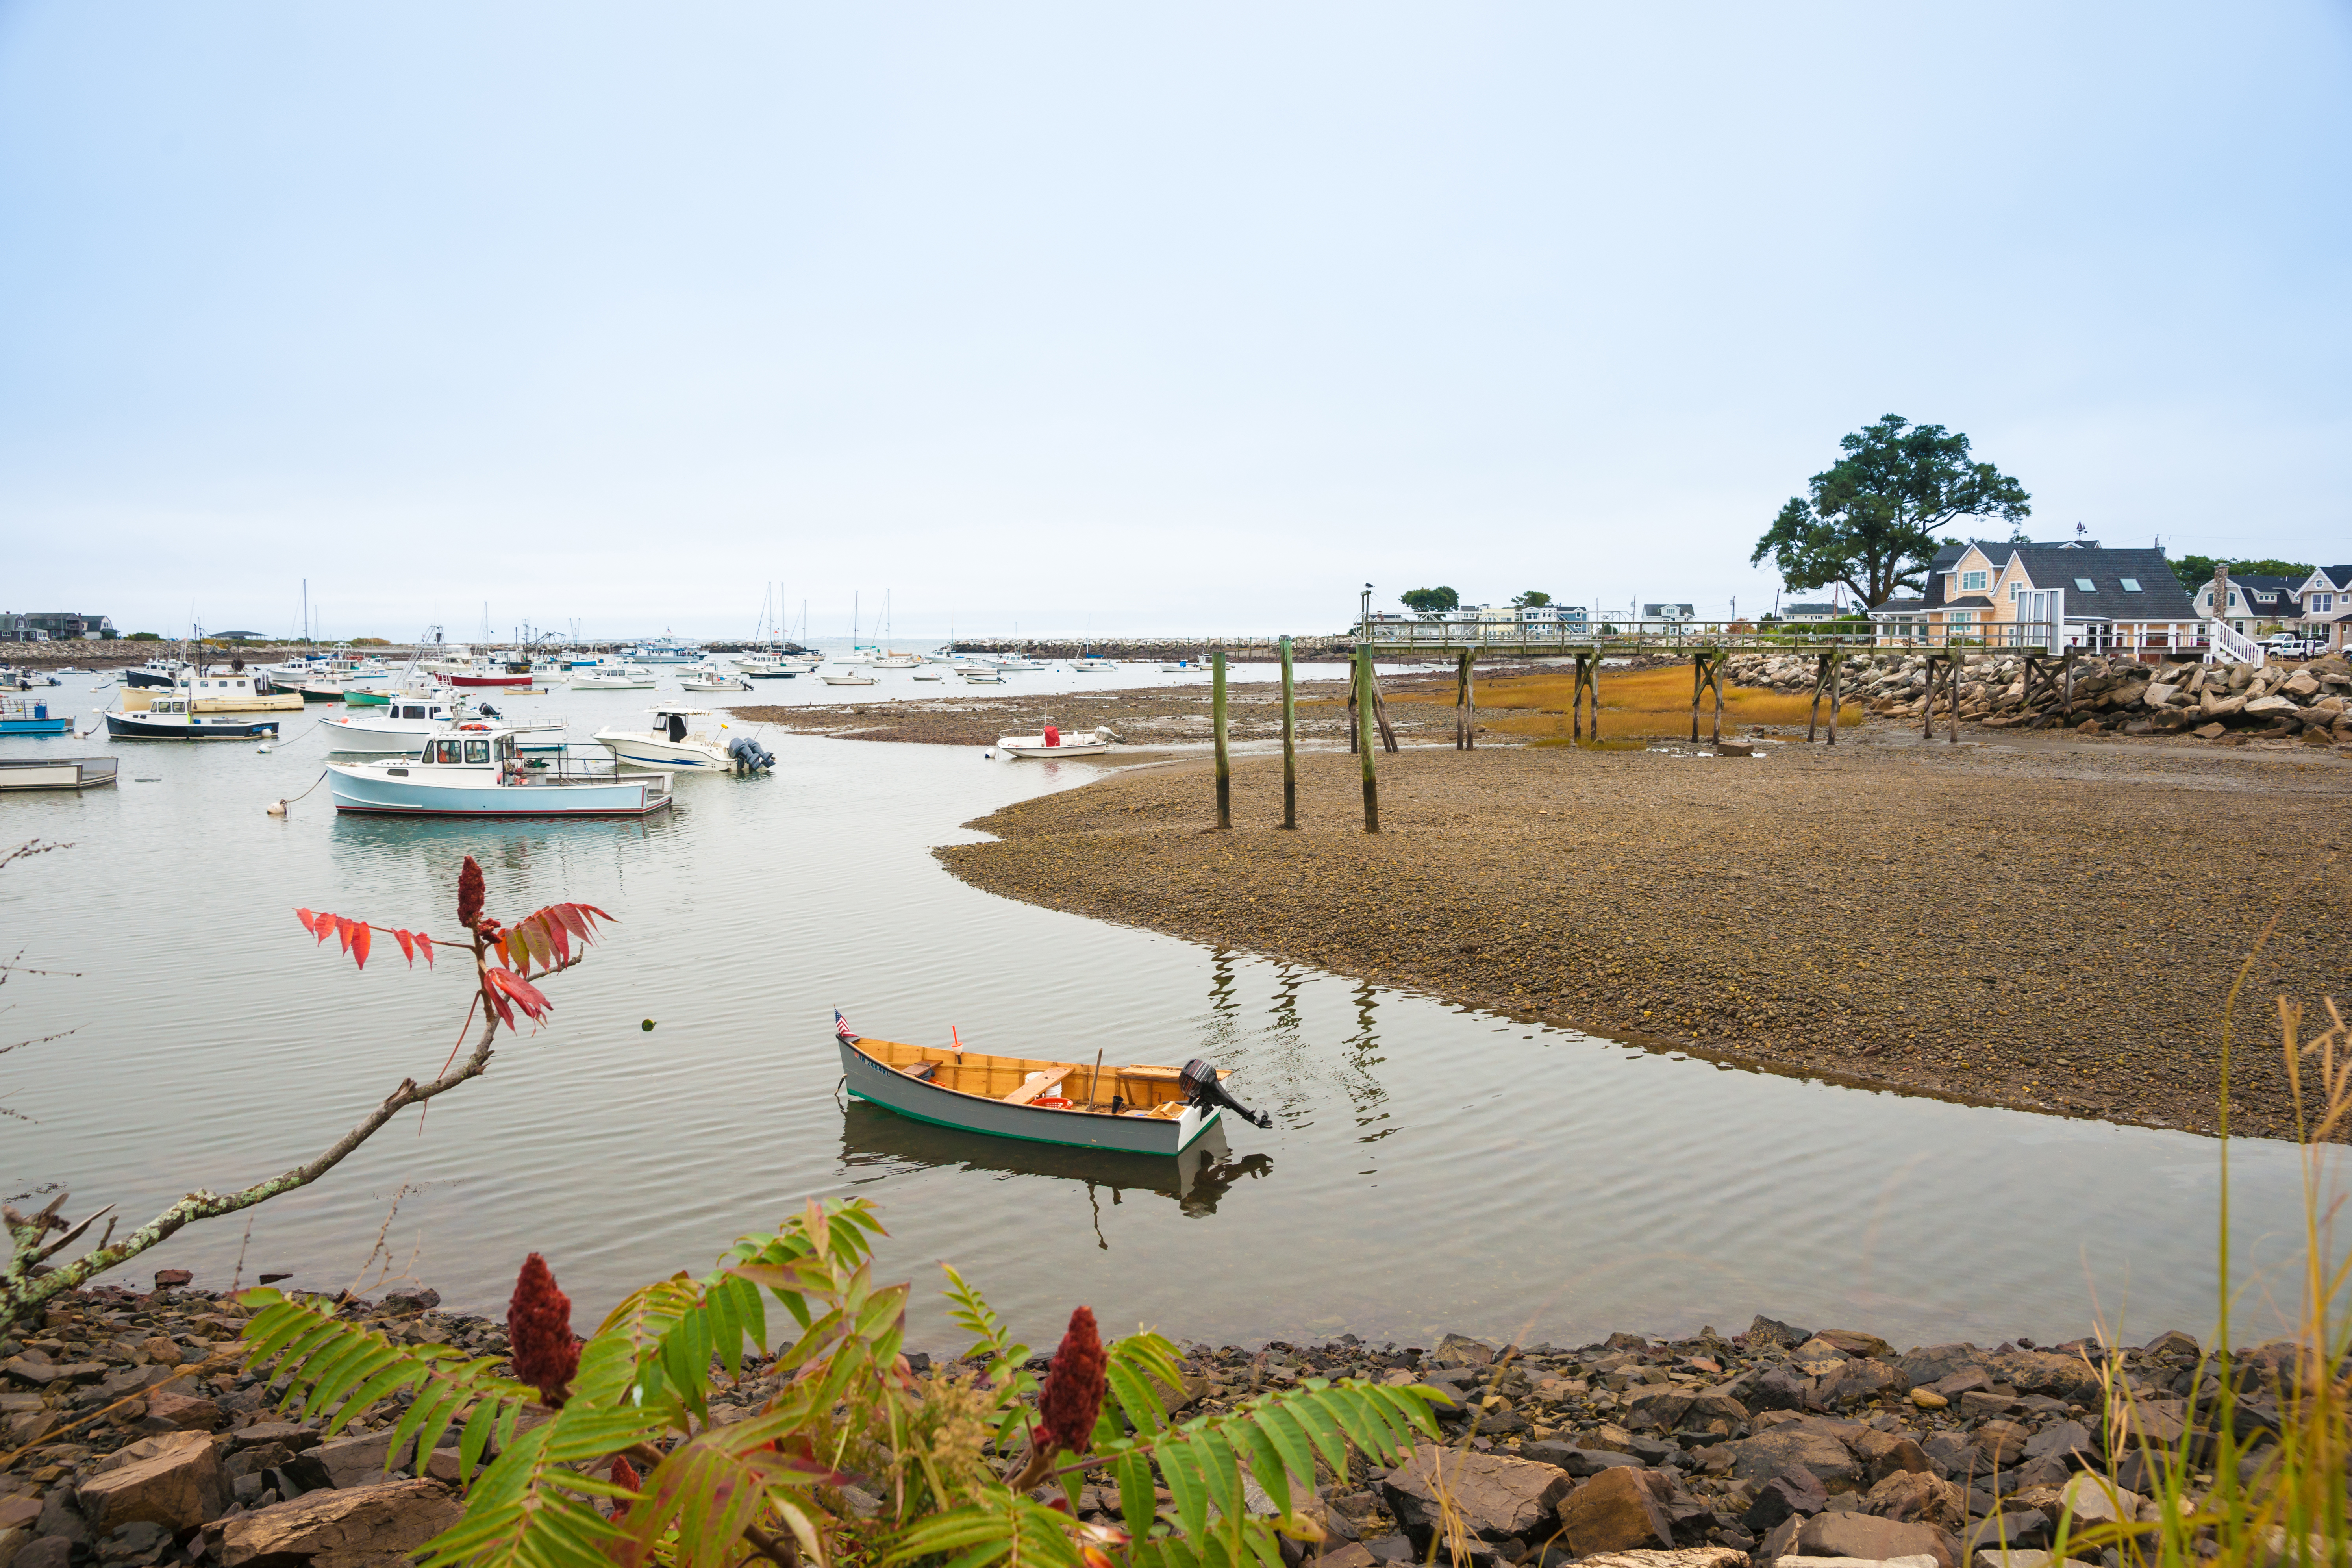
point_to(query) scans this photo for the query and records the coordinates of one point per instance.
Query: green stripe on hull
(1206, 1122)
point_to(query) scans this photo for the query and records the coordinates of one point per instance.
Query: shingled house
(2020, 594)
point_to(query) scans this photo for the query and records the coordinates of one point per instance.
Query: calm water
(1429, 1167)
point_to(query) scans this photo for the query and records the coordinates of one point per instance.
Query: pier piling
(1364, 737)
(1289, 741)
(1217, 719)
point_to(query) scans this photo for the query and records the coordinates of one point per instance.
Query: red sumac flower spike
(1072, 1395)
(469, 894)
(625, 1474)
(539, 1333)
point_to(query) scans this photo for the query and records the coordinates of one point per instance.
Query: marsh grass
(1644, 704)
(2258, 1473)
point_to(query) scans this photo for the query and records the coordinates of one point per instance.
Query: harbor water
(1430, 1168)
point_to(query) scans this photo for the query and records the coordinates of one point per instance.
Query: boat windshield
(478, 751)
(444, 751)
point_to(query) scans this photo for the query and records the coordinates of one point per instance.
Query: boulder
(1787, 1449)
(1781, 1388)
(161, 1348)
(172, 1278)
(359, 1461)
(1765, 1330)
(2094, 1499)
(1499, 1498)
(1817, 1357)
(1917, 1498)
(1797, 1493)
(1884, 1453)
(174, 1479)
(388, 1521)
(1788, 1560)
(2263, 707)
(2069, 1440)
(1687, 1557)
(2000, 1442)
(1657, 1410)
(1855, 1343)
(2013, 1528)
(1460, 1350)
(48, 1551)
(1860, 1535)
(1619, 1509)
(1713, 1414)
(2172, 1343)
(168, 1410)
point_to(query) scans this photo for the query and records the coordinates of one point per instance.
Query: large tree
(1429, 603)
(1872, 520)
(2196, 569)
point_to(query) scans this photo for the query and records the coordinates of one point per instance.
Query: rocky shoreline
(134, 1438)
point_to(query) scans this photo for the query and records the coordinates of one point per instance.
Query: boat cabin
(440, 712)
(471, 751)
(670, 722)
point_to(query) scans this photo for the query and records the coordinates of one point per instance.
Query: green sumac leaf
(1182, 1471)
(1266, 1462)
(1136, 1398)
(1288, 1435)
(1138, 1501)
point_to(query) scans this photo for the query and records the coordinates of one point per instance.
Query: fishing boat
(492, 669)
(404, 723)
(1052, 742)
(671, 743)
(32, 716)
(55, 772)
(931, 674)
(167, 718)
(1180, 666)
(163, 672)
(613, 678)
(1014, 661)
(979, 676)
(477, 769)
(849, 677)
(712, 676)
(1135, 1107)
(223, 689)
(763, 666)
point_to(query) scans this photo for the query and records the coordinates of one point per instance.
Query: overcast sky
(1130, 318)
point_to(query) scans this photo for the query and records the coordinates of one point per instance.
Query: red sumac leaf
(551, 926)
(535, 942)
(407, 946)
(569, 917)
(529, 997)
(304, 916)
(426, 943)
(360, 943)
(323, 926)
(344, 928)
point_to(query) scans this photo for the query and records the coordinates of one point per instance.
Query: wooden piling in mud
(1364, 737)
(1289, 741)
(1217, 719)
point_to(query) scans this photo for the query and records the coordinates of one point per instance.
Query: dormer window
(1974, 582)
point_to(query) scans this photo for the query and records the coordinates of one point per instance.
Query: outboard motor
(749, 756)
(487, 711)
(1203, 1088)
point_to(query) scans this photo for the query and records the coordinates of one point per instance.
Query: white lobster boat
(479, 770)
(1133, 1108)
(1052, 742)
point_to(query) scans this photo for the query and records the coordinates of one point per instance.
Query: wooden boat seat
(1037, 1083)
(920, 1069)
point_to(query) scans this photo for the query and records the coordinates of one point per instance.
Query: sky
(1134, 319)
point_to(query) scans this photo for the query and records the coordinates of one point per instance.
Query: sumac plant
(851, 1461)
(508, 959)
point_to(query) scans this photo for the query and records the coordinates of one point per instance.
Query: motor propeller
(1203, 1085)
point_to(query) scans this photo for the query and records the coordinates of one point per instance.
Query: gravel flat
(2055, 926)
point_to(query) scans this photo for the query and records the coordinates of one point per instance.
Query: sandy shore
(2051, 923)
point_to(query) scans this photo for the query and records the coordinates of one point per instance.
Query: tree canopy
(2193, 570)
(1534, 598)
(1429, 601)
(1872, 520)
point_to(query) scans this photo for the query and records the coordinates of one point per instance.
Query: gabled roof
(2159, 598)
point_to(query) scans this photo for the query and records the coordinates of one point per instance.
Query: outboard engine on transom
(1204, 1088)
(749, 756)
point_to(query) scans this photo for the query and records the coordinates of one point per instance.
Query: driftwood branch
(24, 1285)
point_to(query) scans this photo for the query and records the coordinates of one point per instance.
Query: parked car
(2287, 645)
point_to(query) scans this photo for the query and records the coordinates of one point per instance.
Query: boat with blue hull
(1133, 1108)
(168, 718)
(32, 716)
(480, 770)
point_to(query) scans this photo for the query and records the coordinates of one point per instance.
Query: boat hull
(55, 772)
(195, 726)
(643, 752)
(488, 679)
(366, 790)
(37, 726)
(870, 1081)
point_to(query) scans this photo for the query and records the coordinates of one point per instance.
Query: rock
(1687, 1557)
(2094, 1499)
(1861, 1379)
(173, 1478)
(1657, 1410)
(1713, 1414)
(61, 1520)
(1608, 1439)
(2000, 1442)
(1817, 1356)
(172, 1278)
(1765, 1330)
(293, 1434)
(1929, 1399)
(2159, 694)
(162, 1349)
(2069, 1440)
(1990, 1558)
(2302, 683)
(1788, 1560)
(1916, 1497)
(2266, 706)
(1351, 1556)
(359, 1461)
(1791, 1492)
(168, 1410)
(1884, 1453)
(1460, 1350)
(1783, 1388)
(1769, 1454)
(19, 1512)
(1733, 749)
(388, 1519)
(1499, 1498)
(132, 1379)
(2172, 1343)
(2014, 1528)
(48, 1551)
(1620, 1510)
(42, 1372)
(1860, 1535)
(1856, 1344)
(408, 1303)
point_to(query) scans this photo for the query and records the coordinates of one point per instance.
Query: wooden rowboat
(1135, 1107)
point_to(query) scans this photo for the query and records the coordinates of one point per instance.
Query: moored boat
(670, 743)
(1135, 1107)
(32, 716)
(1052, 742)
(479, 770)
(849, 677)
(55, 772)
(612, 678)
(487, 669)
(167, 718)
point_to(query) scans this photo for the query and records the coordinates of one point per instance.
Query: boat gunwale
(1212, 1115)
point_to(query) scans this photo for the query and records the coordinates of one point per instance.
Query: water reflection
(877, 1143)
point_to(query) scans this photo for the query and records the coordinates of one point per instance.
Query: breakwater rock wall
(2209, 702)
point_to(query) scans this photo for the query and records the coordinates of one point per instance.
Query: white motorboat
(895, 661)
(1092, 666)
(1052, 742)
(976, 677)
(931, 674)
(405, 723)
(849, 677)
(712, 676)
(613, 678)
(1014, 661)
(479, 770)
(1182, 666)
(672, 744)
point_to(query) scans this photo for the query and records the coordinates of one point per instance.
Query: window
(1974, 582)
(2131, 585)
(2083, 584)
(2012, 593)
(478, 751)
(444, 751)
(2323, 601)
(1963, 618)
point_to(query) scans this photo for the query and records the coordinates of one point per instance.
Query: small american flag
(841, 1027)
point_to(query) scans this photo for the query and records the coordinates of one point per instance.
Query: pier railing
(1395, 638)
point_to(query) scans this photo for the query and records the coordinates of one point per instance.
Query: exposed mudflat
(2053, 925)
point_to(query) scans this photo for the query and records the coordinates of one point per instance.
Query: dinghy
(1135, 1107)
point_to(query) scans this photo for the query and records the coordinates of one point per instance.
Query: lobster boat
(1131, 1107)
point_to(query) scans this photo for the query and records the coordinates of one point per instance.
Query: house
(53, 626)
(2326, 597)
(2018, 594)
(1667, 613)
(2257, 605)
(1813, 613)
